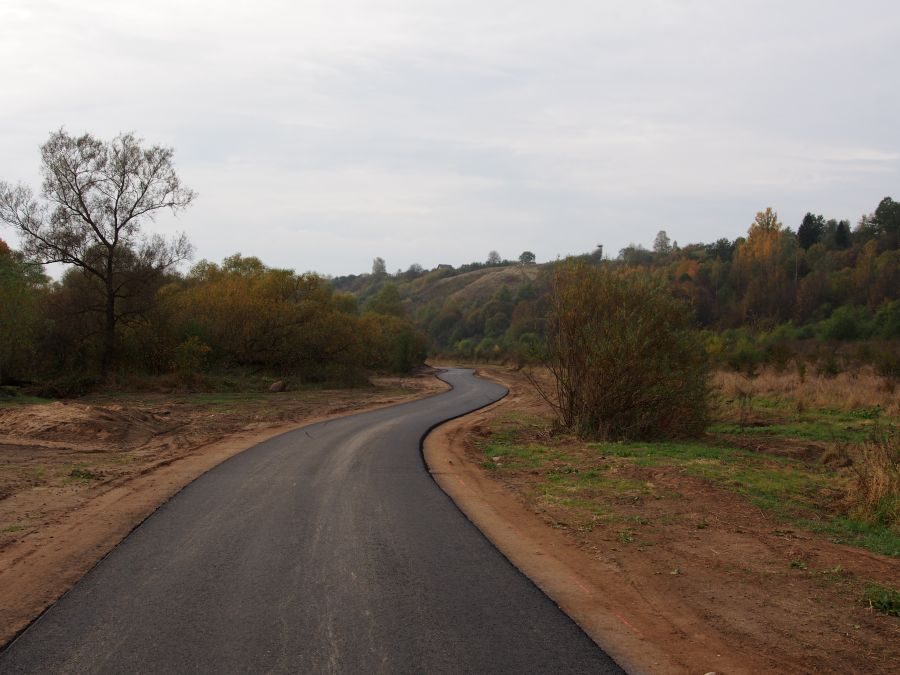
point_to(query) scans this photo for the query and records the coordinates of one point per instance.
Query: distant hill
(475, 310)
(757, 296)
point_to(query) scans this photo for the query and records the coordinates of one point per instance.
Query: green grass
(808, 430)
(504, 448)
(843, 530)
(10, 401)
(510, 456)
(770, 482)
(882, 599)
(9, 529)
(780, 417)
(791, 490)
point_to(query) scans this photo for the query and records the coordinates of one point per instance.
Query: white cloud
(437, 130)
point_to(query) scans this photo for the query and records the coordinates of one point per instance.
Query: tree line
(123, 306)
(825, 281)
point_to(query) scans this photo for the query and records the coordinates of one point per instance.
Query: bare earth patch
(77, 477)
(667, 572)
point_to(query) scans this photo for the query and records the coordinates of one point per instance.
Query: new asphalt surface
(328, 549)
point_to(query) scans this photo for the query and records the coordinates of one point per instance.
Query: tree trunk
(109, 332)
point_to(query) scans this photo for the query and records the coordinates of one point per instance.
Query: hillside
(482, 312)
(824, 290)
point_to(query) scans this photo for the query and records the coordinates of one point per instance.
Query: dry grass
(846, 391)
(875, 496)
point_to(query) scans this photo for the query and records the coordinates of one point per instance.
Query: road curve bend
(328, 549)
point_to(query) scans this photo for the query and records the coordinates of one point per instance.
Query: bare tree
(94, 198)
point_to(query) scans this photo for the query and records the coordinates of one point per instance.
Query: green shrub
(846, 323)
(882, 599)
(191, 356)
(887, 320)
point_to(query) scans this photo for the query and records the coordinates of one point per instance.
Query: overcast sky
(321, 134)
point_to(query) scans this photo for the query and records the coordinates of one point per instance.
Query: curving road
(326, 549)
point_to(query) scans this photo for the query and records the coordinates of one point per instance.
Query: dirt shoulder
(77, 477)
(676, 576)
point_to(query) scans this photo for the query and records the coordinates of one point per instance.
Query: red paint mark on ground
(625, 621)
(581, 586)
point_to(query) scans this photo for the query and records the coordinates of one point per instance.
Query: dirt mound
(103, 426)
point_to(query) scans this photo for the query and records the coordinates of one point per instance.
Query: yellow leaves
(766, 221)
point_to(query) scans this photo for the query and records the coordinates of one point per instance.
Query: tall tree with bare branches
(95, 197)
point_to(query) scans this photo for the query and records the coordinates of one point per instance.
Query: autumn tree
(760, 269)
(251, 315)
(95, 197)
(494, 258)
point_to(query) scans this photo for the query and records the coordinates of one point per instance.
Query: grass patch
(21, 399)
(790, 490)
(807, 430)
(882, 599)
(791, 417)
(853, 532)
(9, 529)
(81, 473)
(805, 494)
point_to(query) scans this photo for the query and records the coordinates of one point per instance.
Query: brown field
(846, 391)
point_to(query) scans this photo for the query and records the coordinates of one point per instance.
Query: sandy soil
(77, 477)
(728, 598)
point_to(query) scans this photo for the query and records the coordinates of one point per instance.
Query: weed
(745, 406)
(625, 536)
(79, 473)
(872, 413)
(12, 528)
(798, 565)
(875, 496)
(882, 599)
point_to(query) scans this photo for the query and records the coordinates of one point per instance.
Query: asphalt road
(327, 549)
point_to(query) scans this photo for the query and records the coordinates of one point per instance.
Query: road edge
(542, 555)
